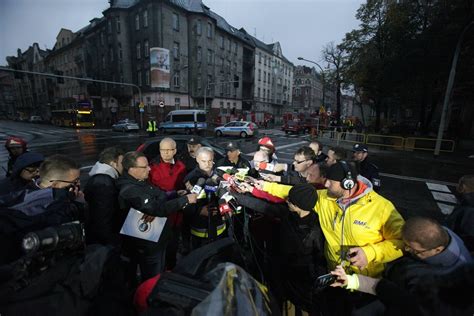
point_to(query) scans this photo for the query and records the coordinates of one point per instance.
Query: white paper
(438, 187)
(136, 227)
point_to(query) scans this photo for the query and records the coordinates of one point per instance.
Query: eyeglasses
(75, 181)
(32, 169)
(416, 252)
(167, 150)
(298, 162)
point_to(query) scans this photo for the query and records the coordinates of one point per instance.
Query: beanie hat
(25, 160)
(336, 171)
(267, 142)
(304, 196)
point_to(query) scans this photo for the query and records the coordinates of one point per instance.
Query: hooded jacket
(368, 221)
(102, 218)
(14, 182)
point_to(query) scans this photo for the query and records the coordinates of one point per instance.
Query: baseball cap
(194, 140)
(267, 142)
(360, 147)
(231, 146)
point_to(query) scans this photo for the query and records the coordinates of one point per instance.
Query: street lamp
(322, 76)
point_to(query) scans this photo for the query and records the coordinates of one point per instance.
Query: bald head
(313, 175)
(167, 149)
(426, 232)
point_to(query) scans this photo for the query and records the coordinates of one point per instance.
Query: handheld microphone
(266, 166)
(198, 186)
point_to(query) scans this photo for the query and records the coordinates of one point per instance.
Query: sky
(303, 27)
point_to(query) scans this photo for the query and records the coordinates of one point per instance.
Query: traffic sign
(142, 110)
(161, 104)
(141, 105)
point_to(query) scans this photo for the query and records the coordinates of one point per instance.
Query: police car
(237, 128)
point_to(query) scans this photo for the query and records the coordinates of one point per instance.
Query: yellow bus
(73, 118)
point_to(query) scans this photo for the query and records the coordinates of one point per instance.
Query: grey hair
(203, 150)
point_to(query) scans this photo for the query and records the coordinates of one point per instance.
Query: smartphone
(325, 280)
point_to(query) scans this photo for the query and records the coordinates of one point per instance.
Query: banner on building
(160, 67)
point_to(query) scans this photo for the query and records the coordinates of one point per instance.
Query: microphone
(224, 207)
(197, 189)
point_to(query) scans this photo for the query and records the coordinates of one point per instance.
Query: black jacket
(370, 171)
(102, 220)
(193, 210)
(292, 177)
(461, 220)
(188, 161)
(241, 163)
(150, 200)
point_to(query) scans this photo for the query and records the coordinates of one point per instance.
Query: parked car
(293, 127)
(125, 126)
(237, 128)
(151, 148)
(35, 119)
(184, 121)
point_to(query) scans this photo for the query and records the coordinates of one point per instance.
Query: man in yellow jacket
(362, 228)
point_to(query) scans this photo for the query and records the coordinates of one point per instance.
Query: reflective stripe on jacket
(151, 126)
(202, 232)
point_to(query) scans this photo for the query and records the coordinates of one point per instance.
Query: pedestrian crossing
(443, 196)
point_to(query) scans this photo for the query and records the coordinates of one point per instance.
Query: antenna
(255, 32)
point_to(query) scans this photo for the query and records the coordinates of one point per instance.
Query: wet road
(414, 181)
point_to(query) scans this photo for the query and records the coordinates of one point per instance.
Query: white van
(184, 121)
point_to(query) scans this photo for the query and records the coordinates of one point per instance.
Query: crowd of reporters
(329, 242)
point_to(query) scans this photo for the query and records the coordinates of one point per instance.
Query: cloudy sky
(302, 27)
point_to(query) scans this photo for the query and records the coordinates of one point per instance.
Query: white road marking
(395, 176)
(446, 209)
(438, 187)
(444, 197)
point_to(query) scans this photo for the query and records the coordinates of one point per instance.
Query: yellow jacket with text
(368, 221)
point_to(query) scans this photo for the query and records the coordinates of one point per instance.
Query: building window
(259, 57)
(259, 75)
(264, 60)
(176, 79)
(138, 49)
(137, 21)
(268, 94)
(235, 47)
(103, 62)
(209, 30)
(101, 38)
(147, 77)
(258, 95)
(176, 50)
(146, 49)
(199, 83)
(199, 54)
(175, 22)
(264, 93)
(109, 26)
(139, 78)
(198, 27)
(264, 76)
(222, 63)
(221, 42)
(235, 66)
(111, 53)
(145, 18)
(268, 77)
(120, 51)
(228, 44)
(177, 103)
(117, 24)
(209, 56)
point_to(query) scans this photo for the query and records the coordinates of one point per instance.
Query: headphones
(347, 183)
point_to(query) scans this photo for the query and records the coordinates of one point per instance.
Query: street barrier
(428, 144)
(395, 142)
(349, 137)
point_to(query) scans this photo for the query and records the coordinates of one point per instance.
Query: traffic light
(60, 80)
(236, 81)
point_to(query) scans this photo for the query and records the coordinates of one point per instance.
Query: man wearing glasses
(137, 193)
(295, 173)
(25, 171)
(57, 189)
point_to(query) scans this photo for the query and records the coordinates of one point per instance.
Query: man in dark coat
(25, 171)
(137, 193)
(234, 158)
(15, 147)
(366, 168)
(188, 157)
(102, 222)
(461, 220)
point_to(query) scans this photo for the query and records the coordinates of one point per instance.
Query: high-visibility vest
(151, 126)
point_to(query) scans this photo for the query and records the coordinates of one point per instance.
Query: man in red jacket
(166, 172)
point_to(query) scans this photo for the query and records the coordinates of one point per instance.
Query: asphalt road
(415, 182)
